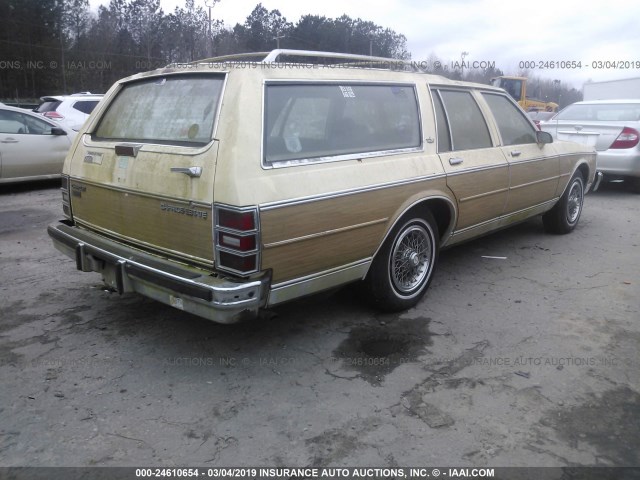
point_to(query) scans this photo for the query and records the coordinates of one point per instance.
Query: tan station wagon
(229, 185)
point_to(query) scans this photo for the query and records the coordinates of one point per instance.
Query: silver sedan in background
(31, 147)
(612, 127)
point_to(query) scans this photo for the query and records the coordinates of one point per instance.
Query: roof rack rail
(272, 57)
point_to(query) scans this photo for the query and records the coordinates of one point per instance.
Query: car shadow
(614, 187)
(31, 186)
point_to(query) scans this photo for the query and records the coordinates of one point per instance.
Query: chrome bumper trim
(216, 298)
(596, 183)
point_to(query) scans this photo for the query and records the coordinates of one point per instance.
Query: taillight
(628, 138)
(53, 115)
(231, 219)
(66, 199)
(237, 239)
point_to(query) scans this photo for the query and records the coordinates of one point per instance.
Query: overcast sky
(501, 31)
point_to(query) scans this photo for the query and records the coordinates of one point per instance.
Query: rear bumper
(624, 162)
(217, 298)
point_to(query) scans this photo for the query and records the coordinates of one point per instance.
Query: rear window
(47, 107)
(613, 112)
(315, 121)
(174, 110)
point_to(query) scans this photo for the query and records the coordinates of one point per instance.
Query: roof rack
(356, 60)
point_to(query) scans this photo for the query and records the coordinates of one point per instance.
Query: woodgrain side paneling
(532, 182)
(306, 238)
(316, 254)
(481, 194)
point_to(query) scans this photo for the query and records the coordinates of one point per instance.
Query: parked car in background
(612, 127)
(70, 110)
(223, 191)
(31, 147)
(540, 116)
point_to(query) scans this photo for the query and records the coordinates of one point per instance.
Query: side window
(514, 128)
(12, 122)
(35, 126)
(304, 121)
(468, 127)
(444, 137)
(85, 106)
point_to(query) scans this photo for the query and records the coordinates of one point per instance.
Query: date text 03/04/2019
(314, 472)
(578, 64)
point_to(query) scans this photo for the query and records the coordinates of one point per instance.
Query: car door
(28, 147)
(477, 172)
(534, 168)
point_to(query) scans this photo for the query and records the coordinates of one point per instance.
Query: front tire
(564, 216)
(402, 271)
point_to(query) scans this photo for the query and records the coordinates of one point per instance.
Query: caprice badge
(192, 212)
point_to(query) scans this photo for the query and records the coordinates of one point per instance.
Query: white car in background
(31, 147)
(612, 127)
(70, 110)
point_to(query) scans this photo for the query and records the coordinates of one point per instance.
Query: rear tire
(402, 271)
(564, 216)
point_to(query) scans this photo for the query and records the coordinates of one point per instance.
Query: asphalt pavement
(524, 352)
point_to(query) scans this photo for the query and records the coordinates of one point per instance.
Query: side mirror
(543, 137)
(57, 131)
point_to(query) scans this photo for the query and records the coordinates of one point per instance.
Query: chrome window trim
(342, 157)
(149, 147)
(342, 193)
(434, 92)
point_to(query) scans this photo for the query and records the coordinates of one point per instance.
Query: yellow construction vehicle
(517, 88)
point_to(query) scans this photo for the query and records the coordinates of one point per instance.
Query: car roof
(613, 101)
(18, 109)
(380, 67)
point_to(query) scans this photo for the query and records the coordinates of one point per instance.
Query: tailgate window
(173, 110)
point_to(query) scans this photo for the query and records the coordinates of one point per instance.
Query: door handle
(455, 161)
(515, 153)
(9, 140)
(188, 171)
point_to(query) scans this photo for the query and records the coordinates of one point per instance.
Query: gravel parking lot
(526, 359)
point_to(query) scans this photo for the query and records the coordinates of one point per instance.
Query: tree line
(59, 46)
